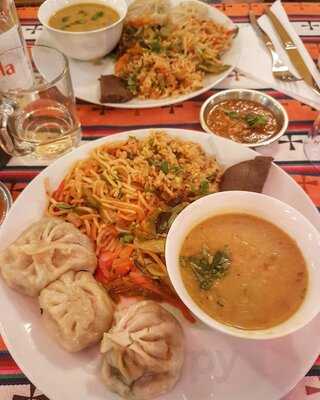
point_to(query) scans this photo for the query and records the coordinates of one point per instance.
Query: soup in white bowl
(96, 26)
(220, 236)
(235, 266)
(83, 17)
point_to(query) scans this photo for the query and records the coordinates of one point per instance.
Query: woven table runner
(99, 121)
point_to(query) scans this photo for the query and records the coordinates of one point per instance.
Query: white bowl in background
(270, 209)
(87, 45)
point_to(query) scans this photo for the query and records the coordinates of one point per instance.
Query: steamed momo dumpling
(76, 310)
(143, 352)
(155, 10)
(43, 252)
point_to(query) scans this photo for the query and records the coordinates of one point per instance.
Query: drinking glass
(16, 72)
(10, 28)
(40, 120)
(311, 145)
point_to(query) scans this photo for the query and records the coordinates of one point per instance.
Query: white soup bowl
(87, 45)
(280, 214)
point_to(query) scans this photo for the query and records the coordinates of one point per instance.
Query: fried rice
(167, 51)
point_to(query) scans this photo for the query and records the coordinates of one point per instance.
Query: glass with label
(15, 70)
(38, 118)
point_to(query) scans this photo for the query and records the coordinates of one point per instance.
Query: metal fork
(279, 69)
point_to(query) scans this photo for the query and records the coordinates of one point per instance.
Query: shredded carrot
(100, 277)
(126, 252)
(121, 267)
(122, 61)
(58, 193)
(134, 284)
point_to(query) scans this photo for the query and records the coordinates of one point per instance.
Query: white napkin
(256, 63)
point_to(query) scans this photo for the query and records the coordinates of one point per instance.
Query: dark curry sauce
(243, 121)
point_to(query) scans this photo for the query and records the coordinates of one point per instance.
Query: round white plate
(85, 74)
(217, 366)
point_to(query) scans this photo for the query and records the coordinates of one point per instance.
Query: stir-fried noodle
(125, 196)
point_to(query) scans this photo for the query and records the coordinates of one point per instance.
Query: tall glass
(40, 120)
(16, 72)
(311, 145)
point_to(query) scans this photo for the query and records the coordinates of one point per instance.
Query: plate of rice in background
(169, 52)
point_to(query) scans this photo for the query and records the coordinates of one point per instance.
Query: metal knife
(291, 49)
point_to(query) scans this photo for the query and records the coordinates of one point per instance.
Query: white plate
(217, 366)
(85, 75)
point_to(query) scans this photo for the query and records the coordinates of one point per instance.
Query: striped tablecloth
(100, 121)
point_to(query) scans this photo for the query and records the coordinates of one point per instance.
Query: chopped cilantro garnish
(132, 84)
(64, 206)
(252, 120)
(176, 169)
(164, 166)
(232, 114)
(255, 120)
(97, 15)
(126, 238)
(207, 267)
(204, 187)
(155, 46)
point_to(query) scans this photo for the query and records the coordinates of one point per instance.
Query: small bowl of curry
(239, 262)
(246, 116)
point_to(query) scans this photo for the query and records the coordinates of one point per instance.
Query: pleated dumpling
(44, 252)
(143, 352)
(76, 310)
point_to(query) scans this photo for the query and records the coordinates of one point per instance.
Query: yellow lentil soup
(243, 271)
(83, 17)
